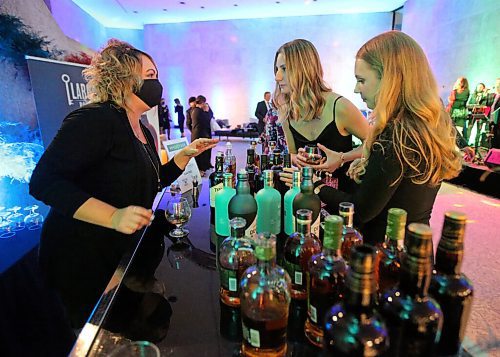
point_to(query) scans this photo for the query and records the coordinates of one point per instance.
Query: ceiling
(134, 14)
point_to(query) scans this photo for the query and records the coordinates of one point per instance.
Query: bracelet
(342, 159)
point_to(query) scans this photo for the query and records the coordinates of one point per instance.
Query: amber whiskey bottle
(350, 236)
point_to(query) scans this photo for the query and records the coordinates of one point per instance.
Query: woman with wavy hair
(311, 113)
(100, 176)
(457, 103)
(411, 146)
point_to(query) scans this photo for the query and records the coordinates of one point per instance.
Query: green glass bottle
(350, 236)
(353, 327)
(243, 204)
(326, 279)
(450, 287)
(265, 300)
(268, 205)
(222, 199)
(289, 217)
(413, 317)
(236, 254)
(299, 248)
(307, 199)
(389, 253)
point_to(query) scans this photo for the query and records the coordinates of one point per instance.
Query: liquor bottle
(216, 181)
(243, 204)
(288, 216)
(230, 161)
(265, 300)
(413, 317)
(236, 254)
(307, 199)
(354, 327)
(268, 206)
(350, 236)
(222, 199)
(452, 289)
(253, 145)
(390, 252)
(251, 169)
(287, 160)
(299, 248)
(259, 179)
(326, 281)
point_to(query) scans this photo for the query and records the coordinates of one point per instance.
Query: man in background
(189, 121)
(261, 111)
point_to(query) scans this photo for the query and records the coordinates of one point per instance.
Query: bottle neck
(268, 183)
(303, 227)
(361, 292)
(242, 186)
(348, 219)
(307, 185)
(394, 244)
(219, 165)
(415, 276)
(449, 261)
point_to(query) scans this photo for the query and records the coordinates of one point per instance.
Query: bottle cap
(346, 208)
(242, 174)
(297, 175)
(229, 145)
(333, 231)
(237, 225)
(419, 241)
(396, 223)
(303, 215)
(265, 246)
(453, 233)
(269, 175)
(307, 173)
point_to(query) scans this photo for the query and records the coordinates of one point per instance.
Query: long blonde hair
(114, 73)
(305, 80)
(423, 136)
(461, 84)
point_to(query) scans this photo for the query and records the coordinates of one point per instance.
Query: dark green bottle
(259, 178)
(413, 317)
(452, 289)
(243, 205)
(251, 169)
(307, 199)
(216, 181)
(354, 327)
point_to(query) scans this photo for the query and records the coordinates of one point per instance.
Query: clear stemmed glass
(34, 219)
(178, 212)
(16, 218)
(6, 226)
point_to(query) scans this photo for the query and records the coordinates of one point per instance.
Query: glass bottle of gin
(289, 216)
(265, 300)
(236, 254)
(243, 204)
(449, 286)
(350, 236)
(268, 205)
(222, 199)
(389, 253)
(307, 199)
(299, 248)
(354, 327)
(326, 280)
(414, 319)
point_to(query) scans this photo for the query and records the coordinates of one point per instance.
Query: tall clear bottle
(449, 286)
(299, 248)
(289, 216)
(326, 280)
(350, 236)
(414, 318)
(236, 254)
(243, 204)
(307, 199)
(354, 327)
(265, 300)
(222, 199)
(230, 161)
(389, 253)
(216, 181)
(268, 204)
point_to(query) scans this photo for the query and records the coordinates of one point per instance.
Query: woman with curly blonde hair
(100, 176)
(311, 114)
(411, 146)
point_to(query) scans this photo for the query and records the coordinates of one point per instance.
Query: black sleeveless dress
(333, 140)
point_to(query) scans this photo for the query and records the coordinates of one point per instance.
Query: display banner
(191, 172)
(59, 88)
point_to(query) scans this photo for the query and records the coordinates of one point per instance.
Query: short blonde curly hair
(114, 73)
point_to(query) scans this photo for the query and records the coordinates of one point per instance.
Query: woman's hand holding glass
(331, 162)
(130, 219)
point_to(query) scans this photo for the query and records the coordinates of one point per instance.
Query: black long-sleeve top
(94, 154)
(376, 194)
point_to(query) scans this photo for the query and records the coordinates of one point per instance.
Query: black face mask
(150, 92)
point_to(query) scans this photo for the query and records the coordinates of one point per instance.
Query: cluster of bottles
(273, 136)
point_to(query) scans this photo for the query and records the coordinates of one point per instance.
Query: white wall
(460, 38)
(231, 62)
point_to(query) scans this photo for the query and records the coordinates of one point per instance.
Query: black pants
(181, 124)
(203, 160)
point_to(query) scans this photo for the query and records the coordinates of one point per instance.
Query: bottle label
(313, 314)
(251, 336)
(228, 279)
(295, 272)
(252, 229)
(315, 226)
(213, 191)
